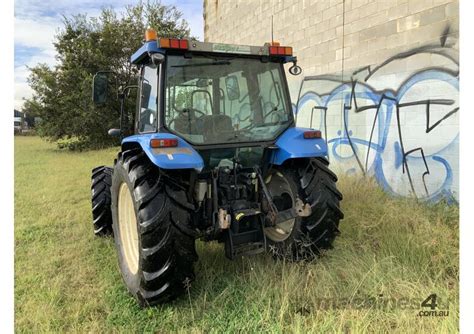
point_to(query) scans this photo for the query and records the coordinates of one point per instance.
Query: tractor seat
(216, 127)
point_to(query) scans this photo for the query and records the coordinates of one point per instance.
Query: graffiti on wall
(397, 121)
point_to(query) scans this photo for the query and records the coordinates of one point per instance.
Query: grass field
(392, 254)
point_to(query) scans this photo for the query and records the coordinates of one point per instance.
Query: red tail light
(312, 134)
(173, 43)
(280, 50)
(159, 143)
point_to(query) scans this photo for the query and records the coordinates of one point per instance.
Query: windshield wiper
(217, 62)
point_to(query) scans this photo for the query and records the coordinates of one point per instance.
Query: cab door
(148, 102)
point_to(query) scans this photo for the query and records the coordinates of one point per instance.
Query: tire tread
(167, 254)
(101, 182)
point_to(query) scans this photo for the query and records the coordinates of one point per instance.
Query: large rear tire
(100, 188)
(155, 257)
(313, 183)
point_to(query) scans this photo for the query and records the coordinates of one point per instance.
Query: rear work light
(173, 43)
(160, 143)
(312, 134)
(281, 51)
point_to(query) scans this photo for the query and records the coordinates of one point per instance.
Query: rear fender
(292, 144)
(183, 156)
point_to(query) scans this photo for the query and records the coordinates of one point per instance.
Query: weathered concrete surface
(384, 75)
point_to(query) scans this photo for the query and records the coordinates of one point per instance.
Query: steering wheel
(194, 110)
(183, 112)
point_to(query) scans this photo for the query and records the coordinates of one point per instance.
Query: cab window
(147, 120)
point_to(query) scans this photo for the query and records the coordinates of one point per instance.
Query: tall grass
(391, 255)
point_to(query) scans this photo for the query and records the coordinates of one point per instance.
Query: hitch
(299, 210)
(250, 242)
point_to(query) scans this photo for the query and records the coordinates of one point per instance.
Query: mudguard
(182, 156)
(292, 144)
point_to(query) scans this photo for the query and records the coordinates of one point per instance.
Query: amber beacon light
(150, 35)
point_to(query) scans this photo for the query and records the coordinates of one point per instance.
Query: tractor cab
(214, 97)
(213, 94)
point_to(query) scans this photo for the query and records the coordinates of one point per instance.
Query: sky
(37, 21)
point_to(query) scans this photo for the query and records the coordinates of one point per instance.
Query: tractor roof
(153, 44)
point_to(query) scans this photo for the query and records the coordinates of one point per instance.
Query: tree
(62, 95)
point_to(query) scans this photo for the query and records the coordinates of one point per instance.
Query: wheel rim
(283, 199)
(128, 228)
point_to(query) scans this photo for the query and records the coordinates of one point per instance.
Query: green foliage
(73, 144)
(85, 45)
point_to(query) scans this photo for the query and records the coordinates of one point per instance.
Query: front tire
(155, 257)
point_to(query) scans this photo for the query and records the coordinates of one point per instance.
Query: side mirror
(295, 69)
(100, 88)
(232, 87)
(145, 94)
(114, 132)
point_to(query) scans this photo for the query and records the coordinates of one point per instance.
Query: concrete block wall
(384, 75)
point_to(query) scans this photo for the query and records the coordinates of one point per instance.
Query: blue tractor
(215, 155)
